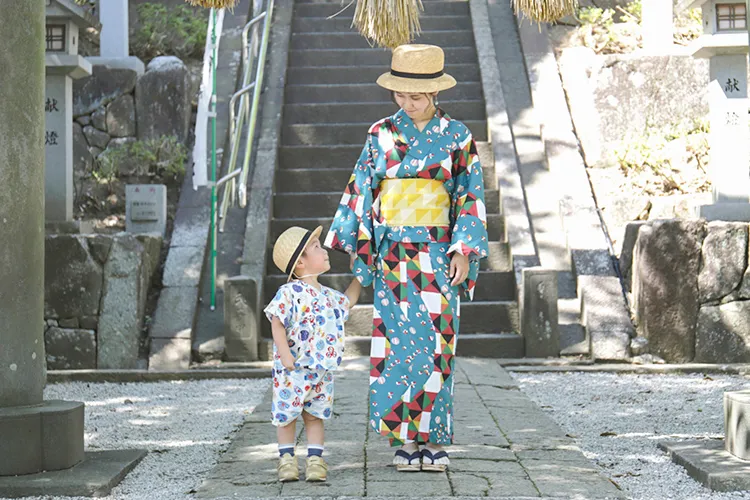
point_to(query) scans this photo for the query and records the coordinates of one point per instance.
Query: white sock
(409, 448)
(434, 450)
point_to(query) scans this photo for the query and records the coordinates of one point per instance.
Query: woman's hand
(459, 268)
(352, 258)
(287, 360)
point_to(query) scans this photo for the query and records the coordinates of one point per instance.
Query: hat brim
(315, 234)
(415, 85)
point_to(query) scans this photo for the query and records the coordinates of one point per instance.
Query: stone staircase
(330, 101)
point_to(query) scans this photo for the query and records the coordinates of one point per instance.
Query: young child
(307, 322)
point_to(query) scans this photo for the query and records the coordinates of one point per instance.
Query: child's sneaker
(288, 469)
(317, 470)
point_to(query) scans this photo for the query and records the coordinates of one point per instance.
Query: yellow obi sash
(414, 202)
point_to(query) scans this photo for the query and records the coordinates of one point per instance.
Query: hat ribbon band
(300, 246)
(418, 76)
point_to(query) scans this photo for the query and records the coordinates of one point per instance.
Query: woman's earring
(436, 103)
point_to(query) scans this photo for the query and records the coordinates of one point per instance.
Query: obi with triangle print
(414, 198)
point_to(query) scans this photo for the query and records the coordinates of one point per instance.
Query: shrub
(179, 31)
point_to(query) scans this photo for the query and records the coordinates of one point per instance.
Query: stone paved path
(505, 446)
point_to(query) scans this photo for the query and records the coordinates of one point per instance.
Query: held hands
(459, 269)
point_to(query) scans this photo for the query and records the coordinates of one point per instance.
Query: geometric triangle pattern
(407, 270)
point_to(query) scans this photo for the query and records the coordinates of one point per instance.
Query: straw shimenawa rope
(388, 23)
(545, 11)
(214, 4)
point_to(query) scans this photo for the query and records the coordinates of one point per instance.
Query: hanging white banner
(200, 150)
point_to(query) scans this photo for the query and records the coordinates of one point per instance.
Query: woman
(413, 219)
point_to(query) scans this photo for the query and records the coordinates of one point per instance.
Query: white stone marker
(113, 14)
(730, 71)
(58, 148)
(730, 158)
(146, 208)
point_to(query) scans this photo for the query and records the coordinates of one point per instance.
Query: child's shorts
(294, 391)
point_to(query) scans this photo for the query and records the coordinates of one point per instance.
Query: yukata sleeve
(469, 214)
(352, 227)
(282, 307)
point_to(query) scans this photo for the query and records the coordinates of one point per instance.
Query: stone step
(345, 156)
(476, 317)
(367, 92)
(367, 57)
(311, 134)
(370, 112)
(480, 345)
(495, 225)
(366, 74)
(290, 205)
(319, 180)
(492, 285)
(344, 24)
(433, 8)
(498, 260)
(333, 40)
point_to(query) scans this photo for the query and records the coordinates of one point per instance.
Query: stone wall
(95, 294)
(114, 107)
(615, 98)
(691, 290)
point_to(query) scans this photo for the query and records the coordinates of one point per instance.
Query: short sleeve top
(314, 322)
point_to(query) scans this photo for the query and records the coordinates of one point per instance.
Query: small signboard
(146, 208)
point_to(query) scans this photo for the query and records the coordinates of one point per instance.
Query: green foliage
(179, 31)
(667, 159)
(164, 157)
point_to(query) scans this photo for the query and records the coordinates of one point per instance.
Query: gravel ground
(618, 420)
(183, 425)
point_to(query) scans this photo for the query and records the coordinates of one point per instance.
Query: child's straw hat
(289, 247)
(417, 69)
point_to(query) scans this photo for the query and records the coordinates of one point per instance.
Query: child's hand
(287, 360)
(352, 258)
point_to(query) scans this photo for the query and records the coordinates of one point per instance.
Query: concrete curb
(585, 235)
(514, 208)
(243, 300)
(623, 368)
(129, 376)
(173, 328)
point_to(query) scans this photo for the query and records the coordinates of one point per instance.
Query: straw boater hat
(289, 247)
(417, 69)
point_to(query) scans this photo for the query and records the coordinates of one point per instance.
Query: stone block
(95, 476)
(72, 279)
(83, 160)
(666, 263)
(737, 423)
(710, 464)
(724, 260)
(99, 119)
(96, 137)
(723, 333)
(89, 322)
(70, 349)
(620, 96)
(626, 254)
(737, 212)
(123, 305)
(169, 354)
(191, 227)
(69, 323)
(163, 99)
(539, 324)
(605, 317)
(121, 117)
(152, 251)
(99, 247)
(103, 86)
(242, 316)
(183, 266)
(44, 437)
(175, 313)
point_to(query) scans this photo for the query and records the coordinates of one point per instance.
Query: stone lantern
(64, 20)
(725, 43)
